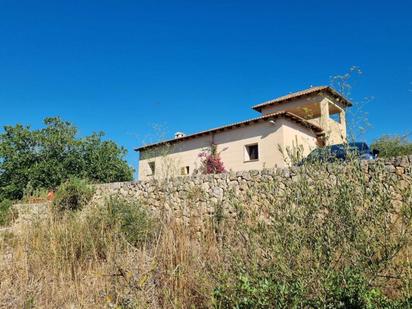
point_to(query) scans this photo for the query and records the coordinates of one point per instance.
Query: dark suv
(341, 152)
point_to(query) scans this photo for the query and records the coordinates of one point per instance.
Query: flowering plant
(211, 163)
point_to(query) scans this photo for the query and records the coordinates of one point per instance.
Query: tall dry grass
(89, 259)
(320, 241)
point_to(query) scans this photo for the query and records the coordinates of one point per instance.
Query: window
(251, 152)
(335, 117)
(185, 170)
(152, 167)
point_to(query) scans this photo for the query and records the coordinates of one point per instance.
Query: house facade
(290, 125)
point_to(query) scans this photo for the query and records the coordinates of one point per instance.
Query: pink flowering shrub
(211, 163)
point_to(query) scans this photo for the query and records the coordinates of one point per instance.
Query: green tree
(47, 157)
(392, 146)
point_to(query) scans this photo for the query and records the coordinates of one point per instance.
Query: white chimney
(179, 134)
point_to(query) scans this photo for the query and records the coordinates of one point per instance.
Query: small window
(152, 167)
(251, 152)
(185, 170)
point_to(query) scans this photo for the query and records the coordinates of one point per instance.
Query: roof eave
(332, 91)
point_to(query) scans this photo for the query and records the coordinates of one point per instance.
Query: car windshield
(334, 151)
(358, 147)
(338, 151)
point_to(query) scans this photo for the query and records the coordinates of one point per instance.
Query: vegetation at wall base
(330, 238)
(129, 218)
(7, 214)
(73, 194)
(211, 162)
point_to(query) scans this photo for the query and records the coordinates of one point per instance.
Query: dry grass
(71, 262)
(86, 259)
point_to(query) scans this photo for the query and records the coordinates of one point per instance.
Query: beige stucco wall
(231, 146)
(296, 136)
(169, 159)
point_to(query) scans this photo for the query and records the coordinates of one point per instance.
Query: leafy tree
(47, 157)
(392, 146)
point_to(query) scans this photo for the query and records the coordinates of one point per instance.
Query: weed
(73, 194)
(7, 213)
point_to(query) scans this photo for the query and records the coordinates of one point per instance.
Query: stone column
(324, 114)
(342, 116)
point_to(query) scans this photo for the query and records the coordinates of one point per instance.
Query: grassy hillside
(330, 242)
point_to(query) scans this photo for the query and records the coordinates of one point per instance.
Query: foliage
(130, 218)
(329, 238)
(261, 289)
(31, 195)
(392, 146)
(292, 155)
(211, 163)
(343, 82)
(330, 242)
(6, 212)
(73, 194)
(356, 116)
(46, 157)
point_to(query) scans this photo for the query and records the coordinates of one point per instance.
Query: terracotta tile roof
(318, 130)
(295, 95)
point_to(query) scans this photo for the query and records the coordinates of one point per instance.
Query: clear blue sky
(125, 67)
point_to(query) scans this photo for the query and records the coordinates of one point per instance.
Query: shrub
(211, 163)
(351, 289)
(337, 241)
(31, 195)
(128, 217)
(258, 289)
(73, 194)
(392, 146)
(6, 212)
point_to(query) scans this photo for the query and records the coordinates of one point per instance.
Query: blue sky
(142, 70)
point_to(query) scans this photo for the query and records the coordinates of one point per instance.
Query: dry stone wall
(204, 195)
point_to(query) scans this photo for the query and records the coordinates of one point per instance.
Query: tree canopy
(46, 157)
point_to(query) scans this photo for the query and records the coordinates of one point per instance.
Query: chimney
(179, 135)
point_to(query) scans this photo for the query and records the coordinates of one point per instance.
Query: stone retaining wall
(204, 194)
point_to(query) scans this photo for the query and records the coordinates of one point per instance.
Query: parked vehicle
(341, 152)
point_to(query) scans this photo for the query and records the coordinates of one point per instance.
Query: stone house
(302, 121)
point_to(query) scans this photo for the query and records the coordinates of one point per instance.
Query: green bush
(331, 242)
(392, 146)
(258, 289)
(73, 194)
(350, 289)
(6, 212)
(129, 218)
